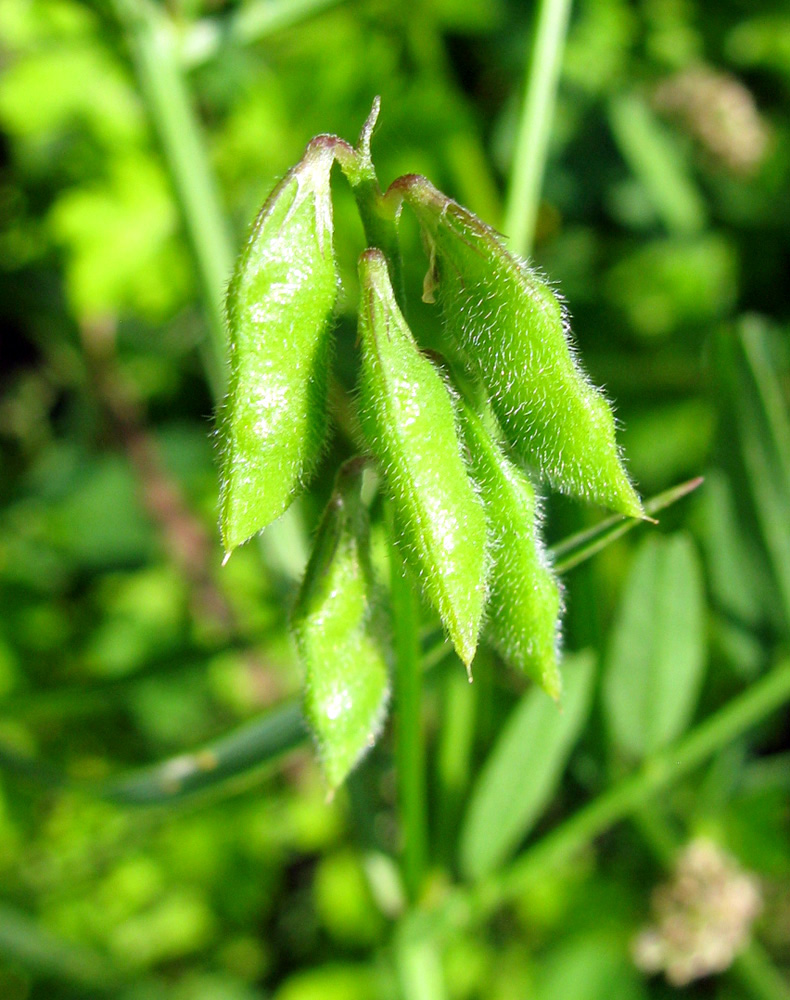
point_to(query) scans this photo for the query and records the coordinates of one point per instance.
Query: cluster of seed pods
(457, 473)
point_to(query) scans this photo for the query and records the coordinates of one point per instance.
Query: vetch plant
(457, 442)
(279, 308)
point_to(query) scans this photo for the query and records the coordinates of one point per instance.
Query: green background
(137, 142)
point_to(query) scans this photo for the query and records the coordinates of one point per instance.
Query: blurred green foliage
(124, 648)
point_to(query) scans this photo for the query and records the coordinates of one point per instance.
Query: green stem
(621, 801)
(456, 739)
(532, 140)
(248, 23)
(155, 57)
(578, 548)
(409, 749)
(419, 966)
(379, 216)
(757, 972)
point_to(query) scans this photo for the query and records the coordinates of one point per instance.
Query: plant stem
(418, 963)
(756, 971)
(248, 24)
(456, 739)
(578, 548)
(666, 767)
(379, 216)
(409, 750)
(155, 57)
(532, 139)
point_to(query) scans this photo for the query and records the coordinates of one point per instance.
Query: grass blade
(537, 116)
(764, 429)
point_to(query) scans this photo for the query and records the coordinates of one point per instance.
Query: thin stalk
(379, 215)
(156, 63)
(757, 972)
(419, 967)
(475, 903)
(665, 768)
(584, 544)
(409, 748)
(534, 129)
(456, 739)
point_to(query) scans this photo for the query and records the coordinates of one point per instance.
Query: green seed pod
(513, 332)
(408, 419)
(524, 602)
(341, 634)
(279, 308)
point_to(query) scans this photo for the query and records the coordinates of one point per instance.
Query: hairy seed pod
(408, 419)
(279, 309)
(522, 614)
(513, 332)
(341, 634)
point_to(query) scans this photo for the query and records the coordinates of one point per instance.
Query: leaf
(241, 751)
(592, 966)
(523, 770)
(764, 429)
(656, 656)
(656, 158)
(739, 582)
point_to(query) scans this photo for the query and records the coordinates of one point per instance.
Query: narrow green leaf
(764, 427)
(242, 751)
(656, 656)
(408, 419)
(280, 304)
(512, 330)
(522, 772)
(248, 747)
(738, 579)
